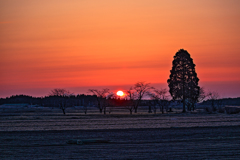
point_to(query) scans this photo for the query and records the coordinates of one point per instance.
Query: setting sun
(120, 93)
(79, 45)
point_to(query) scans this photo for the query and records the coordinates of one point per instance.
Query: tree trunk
(63, 111)
(135, 110)
(149, 109)
(104, 110)
(99, 106)
(184, 105)
(130, 111)
(136, 106)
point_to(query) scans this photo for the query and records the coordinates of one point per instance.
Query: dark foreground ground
(163, 143)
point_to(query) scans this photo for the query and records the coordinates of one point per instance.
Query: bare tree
(62, 98)
(213, 96)
(111, 101)
(155, 105)
(101, 96)
(202, 94)
(160, 97)
(130, 98)
(141, 89)
(60, 92)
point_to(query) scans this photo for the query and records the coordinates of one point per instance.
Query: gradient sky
(82, 44)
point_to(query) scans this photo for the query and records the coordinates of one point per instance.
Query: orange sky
(90, 43)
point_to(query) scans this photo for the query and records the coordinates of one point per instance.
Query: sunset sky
(83, 44)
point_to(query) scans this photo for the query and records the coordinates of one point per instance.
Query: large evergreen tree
(183, 81)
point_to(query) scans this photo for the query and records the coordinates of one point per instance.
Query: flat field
(44, 133)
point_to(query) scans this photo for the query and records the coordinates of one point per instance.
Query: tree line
(183, 88)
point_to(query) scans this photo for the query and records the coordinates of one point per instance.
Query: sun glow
(120, 93)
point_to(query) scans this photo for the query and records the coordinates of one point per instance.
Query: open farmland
(43, 134)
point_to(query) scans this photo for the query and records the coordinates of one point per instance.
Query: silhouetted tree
(159, 96)
(101, 98)
(130, 96)
(112, 101)
(152, 103)
(141, 89)
(213, 97)
(62, 98)
(183, 81)
(202, 95)
(60, 92)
